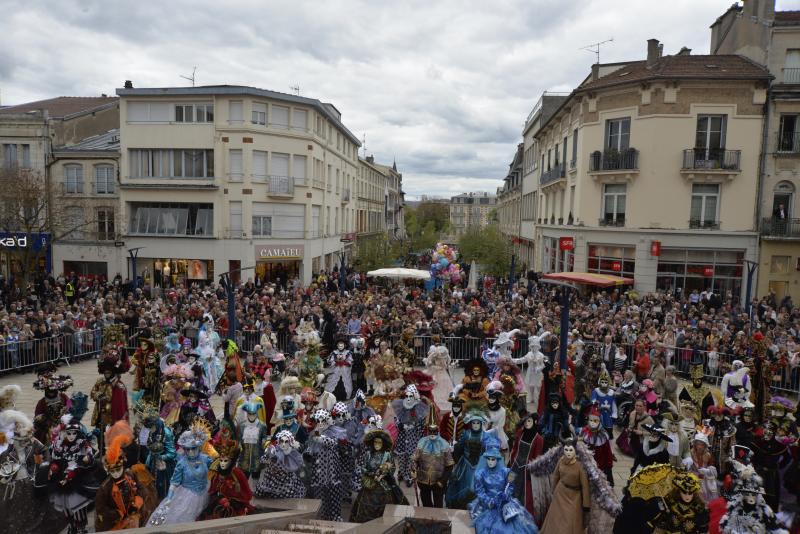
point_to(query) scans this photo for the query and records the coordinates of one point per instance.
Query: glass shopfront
(16, 249)
(86, 269)
(171, 272)
(612, 259)
(688, 269)
(279, 263)
(556, 260)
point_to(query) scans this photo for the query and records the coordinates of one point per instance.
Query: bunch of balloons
(443, 263)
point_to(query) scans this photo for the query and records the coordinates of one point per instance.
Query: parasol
(399, 273)
(652, 481)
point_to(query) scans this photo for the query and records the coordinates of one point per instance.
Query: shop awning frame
(399, 273)
(590, 279)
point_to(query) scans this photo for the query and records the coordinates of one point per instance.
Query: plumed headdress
(118, 437)
(197, 435)
(8, 396)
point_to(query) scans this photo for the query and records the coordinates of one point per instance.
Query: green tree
(488, 247)
(377, 252)
(426, 223)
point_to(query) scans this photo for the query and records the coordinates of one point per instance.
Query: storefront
(687, 270)
(558, 255)
(171, 272)
(17, 249)
(279, 262)
(86, 269)
(611, 259)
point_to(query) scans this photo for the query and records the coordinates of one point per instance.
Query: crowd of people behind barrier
(55, 322)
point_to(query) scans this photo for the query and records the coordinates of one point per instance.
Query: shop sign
(566, 243)
(279, 252)
(655, 248)
(708, 271)
(616, 266)
(13, 240)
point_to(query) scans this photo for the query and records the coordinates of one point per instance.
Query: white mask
(224, 463)
(409, 402)
(491, 462)
(569, 452)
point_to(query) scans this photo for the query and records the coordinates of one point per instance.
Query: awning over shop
(591, 279)
(399, 273)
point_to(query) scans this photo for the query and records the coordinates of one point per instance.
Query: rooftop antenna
(190, 78)
(295, 89)
(594, 48)
(364, 144)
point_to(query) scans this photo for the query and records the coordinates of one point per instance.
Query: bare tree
(34, 208)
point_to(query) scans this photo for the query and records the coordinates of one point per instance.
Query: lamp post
(134, 254)
(751, 270)
(566, 295)
(226, 281)
(342, 272)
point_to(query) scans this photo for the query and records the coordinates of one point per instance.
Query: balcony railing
(609, 220)
(789, 143)
(791, 75)
(553, 174)
(713, 159)
(614, 160)
(708, 225)
(773, 227)
(280, 185)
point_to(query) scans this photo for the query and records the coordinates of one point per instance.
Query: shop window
(614, 260)
(779, 264)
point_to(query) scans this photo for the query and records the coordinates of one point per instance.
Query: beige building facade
(772, 39)
(509, 204)
(220, 178)
(648, 170)
(470, 209)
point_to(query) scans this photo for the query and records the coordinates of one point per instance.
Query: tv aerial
(190, 78)
(594, 48)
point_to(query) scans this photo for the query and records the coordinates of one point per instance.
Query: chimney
(684, 51)
(652, 52)
(371, 158)
(128, 84)
(595, 71)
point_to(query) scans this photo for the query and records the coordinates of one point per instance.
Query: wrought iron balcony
(708, 225)
(791, 75)
(788, 144)
(555, 173)
(774, 227)
(609, 220)
(712, 159)
(614, 160)
(280, 185)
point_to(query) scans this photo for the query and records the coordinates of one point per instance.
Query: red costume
(228, 489)
(450, 428)
(528, 445)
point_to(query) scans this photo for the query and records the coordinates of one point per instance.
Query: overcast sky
(443, 86)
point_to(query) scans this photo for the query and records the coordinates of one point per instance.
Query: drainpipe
(762, 164)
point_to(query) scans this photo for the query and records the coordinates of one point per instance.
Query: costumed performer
(378, 486)
(283, 469)
(228, 489)
(528, 445)
(438, 361)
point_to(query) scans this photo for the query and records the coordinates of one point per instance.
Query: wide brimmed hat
(194, 391)
(374, 434)
(686, 483)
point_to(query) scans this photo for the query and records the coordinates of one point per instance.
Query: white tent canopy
(399, 273)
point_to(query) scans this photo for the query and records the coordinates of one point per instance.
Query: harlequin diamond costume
(22, 509)
(187, 496)
(228, 488)
(69, 474)
(410, 413)
(126, 498)
(747, 511)
(327, 469)
(495, 510)
(283, 469)
(378, 487)
(54, 404)
(340, 381)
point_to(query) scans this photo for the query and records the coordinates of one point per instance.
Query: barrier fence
(67, 348)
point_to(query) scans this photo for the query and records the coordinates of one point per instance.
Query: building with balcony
(372, 195)
(648, 170)
(772, 38)
(218, 178)
(509, 200)
(30, 135)
(470, 209)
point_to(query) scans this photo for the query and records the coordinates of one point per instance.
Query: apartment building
(373, 192)
(772, 39)
(470, 209)
(393, 195)
(220, 178)
(648, 169)
(509, 201)
(29, 133)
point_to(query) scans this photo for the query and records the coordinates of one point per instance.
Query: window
(705, 203)
(789, 136)
(149, 111)
(235, 112)
(105, 224)
(194, 113)
(262, 226)
(612, 259)
(161, 218)
(710, 136)
(259, 113)
(779, 264)
(235, 229)
(178, 163)
(104, 179)
(279, 220)
(259, 165)
(618, 134)
(9, 156)
(299, 119)
(73, 178)
(299, 169)
(236, 169)
(74, 222)
(280, 117)
(687, 269)
(280, 164)
(574, 148)
(26, 156)
(791, 72)
(316, 228)
(614, 204)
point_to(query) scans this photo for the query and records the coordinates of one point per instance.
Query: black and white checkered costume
(281, 475)
(410, 428)
(327, 476)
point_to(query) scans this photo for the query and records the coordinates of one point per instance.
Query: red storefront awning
(592, 279)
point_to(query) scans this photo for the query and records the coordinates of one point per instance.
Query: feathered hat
(197, 435)
(8, 396)
(475, 415)
(118, 437)
(780, 403)
(227, 448)
(686, 482)
(52, 382)
(604, 376)
(474, 363)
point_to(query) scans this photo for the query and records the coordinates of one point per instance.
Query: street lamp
(134, 253)
(226, 281)
(751, 270)
(567, 290)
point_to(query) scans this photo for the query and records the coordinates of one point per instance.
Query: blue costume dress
(161, 457)
(190, 496)
(468, 449)
(495, 510)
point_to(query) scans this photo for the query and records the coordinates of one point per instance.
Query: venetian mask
(674, 428)
(456, 409)
(687, 497)
(252, 417)
(528, 424)
(477, 425)
(224, 463)
(594, 422)
(476, 371)
(569, 452)
(116, 472)
(555, 406)
(747, 416)
(409, 401)
(191, 452)
(377, 444)
(71, 435)
(108, 375)
(749, 499)
(491, 462)
(604, 385)
(340, 345)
